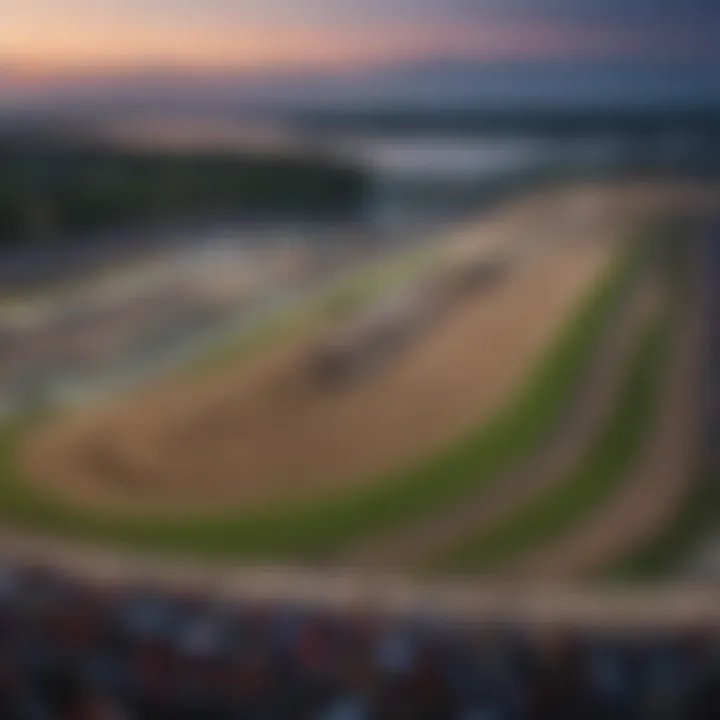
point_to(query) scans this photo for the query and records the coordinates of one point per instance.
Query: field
(450, 454)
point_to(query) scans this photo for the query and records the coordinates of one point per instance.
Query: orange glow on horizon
(31, 56)
(47, 53)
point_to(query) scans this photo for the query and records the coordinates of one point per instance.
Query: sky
(45, 38)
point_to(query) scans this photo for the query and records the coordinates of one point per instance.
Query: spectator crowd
(73, 650)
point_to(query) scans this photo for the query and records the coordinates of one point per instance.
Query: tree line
(49, 193)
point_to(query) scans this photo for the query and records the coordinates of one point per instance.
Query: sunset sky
(48, 37)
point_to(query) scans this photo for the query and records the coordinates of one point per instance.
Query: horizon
(425, 84)
(58, 46)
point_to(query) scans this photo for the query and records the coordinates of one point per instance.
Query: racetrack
(255, 460)
(264, 431)
(427, 542)
(666, 470)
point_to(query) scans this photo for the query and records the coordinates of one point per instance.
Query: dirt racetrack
(261, 431)
(424, 543)
(664, 473)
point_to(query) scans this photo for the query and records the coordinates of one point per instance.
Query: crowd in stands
(76, 650)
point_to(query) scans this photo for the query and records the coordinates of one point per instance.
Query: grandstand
(72, 648)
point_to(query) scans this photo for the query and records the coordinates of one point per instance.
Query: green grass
(699, 511)
(317, 528)
(609, 461)
(606, 466)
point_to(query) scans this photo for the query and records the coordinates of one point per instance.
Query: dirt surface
(655, 488)
(263, 431)
(424, 542)
(525, 604)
